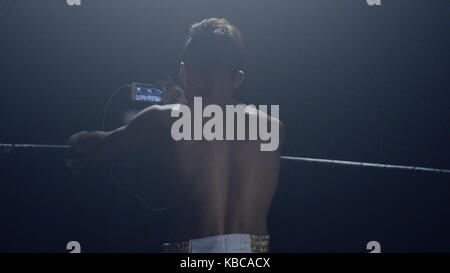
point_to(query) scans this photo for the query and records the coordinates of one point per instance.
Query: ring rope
(8, 147)
(364, 164)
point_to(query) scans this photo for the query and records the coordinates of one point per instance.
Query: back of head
(214, 46)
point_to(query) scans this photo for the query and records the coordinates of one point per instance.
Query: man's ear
(240, 77)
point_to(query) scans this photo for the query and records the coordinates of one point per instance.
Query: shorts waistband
(258, 244)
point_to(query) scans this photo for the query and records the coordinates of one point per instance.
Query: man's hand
(88, 143)
(74, 141)
(173, 92)
(90, 147)
(75, 162)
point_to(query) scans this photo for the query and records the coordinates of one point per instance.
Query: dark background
(354, 82)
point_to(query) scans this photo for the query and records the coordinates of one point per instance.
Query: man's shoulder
(162, 114)
(155, 116)
(158, 112)
(251, 110)
(160, 109)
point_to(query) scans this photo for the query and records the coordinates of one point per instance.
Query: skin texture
(215, 187)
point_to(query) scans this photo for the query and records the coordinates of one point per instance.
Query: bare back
(217, 187)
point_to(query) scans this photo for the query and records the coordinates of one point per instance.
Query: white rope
(31, 146)
(294, 158)
(364, 164)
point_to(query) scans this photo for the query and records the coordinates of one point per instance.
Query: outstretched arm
(107, 145)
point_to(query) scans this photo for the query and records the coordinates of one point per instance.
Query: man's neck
(218, 97)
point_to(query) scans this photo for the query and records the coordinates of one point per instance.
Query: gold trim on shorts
(260, 243)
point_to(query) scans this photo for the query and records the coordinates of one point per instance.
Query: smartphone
(145, 92)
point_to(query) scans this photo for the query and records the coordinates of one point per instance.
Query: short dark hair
(214, 45)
